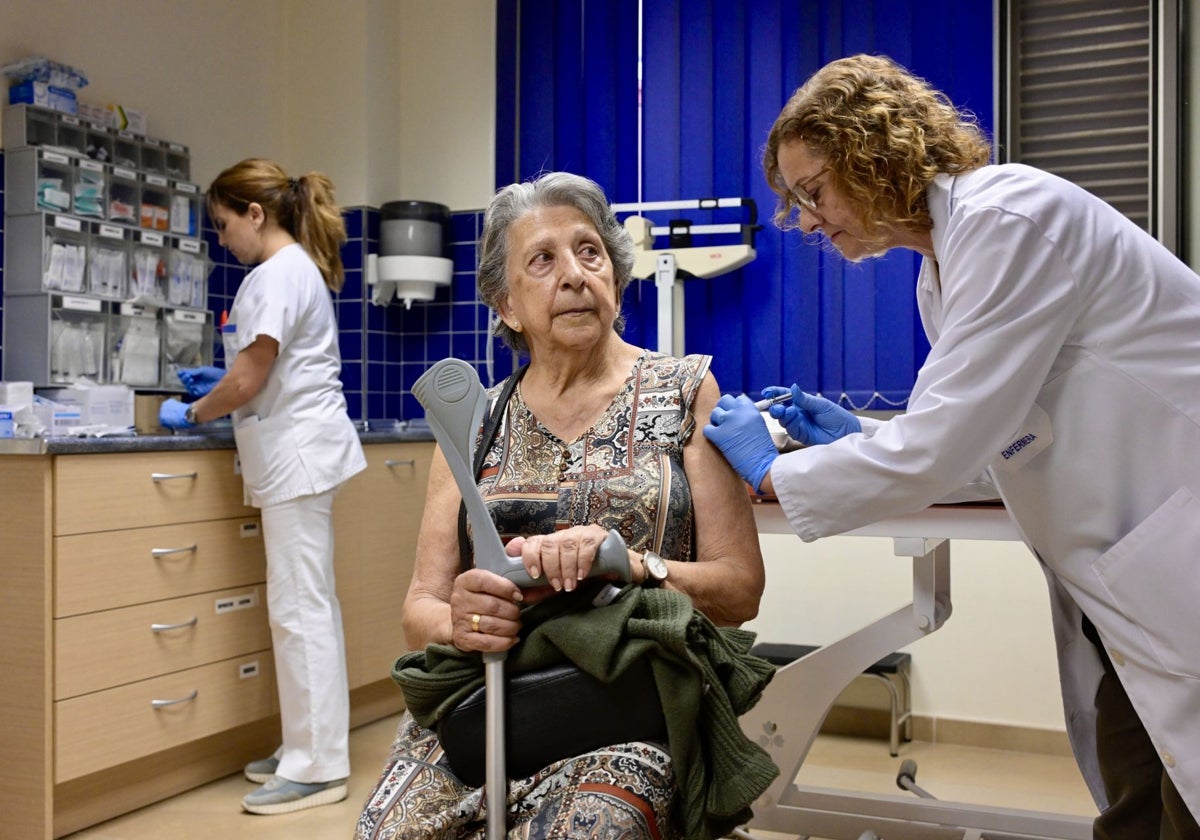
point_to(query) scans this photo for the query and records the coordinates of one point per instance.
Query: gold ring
(475, 623)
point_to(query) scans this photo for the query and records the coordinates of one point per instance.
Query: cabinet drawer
(140, 489)
(110, 648)
(107, 728)
(135, 566)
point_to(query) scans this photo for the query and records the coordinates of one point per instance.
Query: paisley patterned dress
(625, 472)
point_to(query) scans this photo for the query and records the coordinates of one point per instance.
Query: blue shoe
(282, 796)
(263, 769)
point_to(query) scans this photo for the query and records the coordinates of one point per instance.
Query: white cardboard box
(101, 405)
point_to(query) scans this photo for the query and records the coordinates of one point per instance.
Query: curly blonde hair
(884, 133)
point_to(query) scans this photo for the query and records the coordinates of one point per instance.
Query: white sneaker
(283, 796)
(263, 769)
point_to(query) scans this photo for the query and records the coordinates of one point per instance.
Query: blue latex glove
(200, 380)
(811, 420)
(170, 414)
(736, 428)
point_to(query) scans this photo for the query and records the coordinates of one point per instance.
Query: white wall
(314, 84)
(207, 75)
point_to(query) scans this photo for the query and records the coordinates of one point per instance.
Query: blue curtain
(715, 75)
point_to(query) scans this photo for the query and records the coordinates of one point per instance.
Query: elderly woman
(598, 434)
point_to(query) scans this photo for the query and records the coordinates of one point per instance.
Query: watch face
(656, 566)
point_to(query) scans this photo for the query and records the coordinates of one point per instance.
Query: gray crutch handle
(454, 402)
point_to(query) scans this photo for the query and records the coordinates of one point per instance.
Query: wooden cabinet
(376, 518)
(134, 639)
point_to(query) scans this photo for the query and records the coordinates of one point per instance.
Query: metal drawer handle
(157, 477)
(391, 462)
(162, 628)
(163, 552)
(159, 704)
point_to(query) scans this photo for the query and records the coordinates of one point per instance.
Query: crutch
(454, 402)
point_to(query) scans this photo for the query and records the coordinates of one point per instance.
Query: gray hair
(554, 189)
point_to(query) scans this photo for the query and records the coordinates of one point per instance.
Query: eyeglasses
(803, 197)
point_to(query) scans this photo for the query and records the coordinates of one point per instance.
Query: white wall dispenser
(414, 239)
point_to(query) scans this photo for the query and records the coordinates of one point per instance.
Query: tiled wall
(384, 348)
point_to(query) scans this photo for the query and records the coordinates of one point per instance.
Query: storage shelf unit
(102, 249)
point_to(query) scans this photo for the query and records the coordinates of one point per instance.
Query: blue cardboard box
(45, 95)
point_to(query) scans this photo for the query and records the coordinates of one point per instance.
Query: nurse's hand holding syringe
(809, 419)
(763, 405)
(736, 428)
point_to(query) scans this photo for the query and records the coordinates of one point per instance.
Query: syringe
(763, 405)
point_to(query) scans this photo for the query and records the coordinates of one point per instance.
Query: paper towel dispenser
(414, 245)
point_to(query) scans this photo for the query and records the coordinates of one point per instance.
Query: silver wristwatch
(656, 569)
(190, 414)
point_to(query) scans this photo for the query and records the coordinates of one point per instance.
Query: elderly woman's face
(561, 290)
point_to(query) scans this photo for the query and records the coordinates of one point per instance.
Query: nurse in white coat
(1064, 373)
(296, 444)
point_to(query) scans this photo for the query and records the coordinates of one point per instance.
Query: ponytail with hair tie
(307, 211)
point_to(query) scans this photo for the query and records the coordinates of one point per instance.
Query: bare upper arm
(723, 511)
(437, 560)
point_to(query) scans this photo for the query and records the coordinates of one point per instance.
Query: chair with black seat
(892, 670)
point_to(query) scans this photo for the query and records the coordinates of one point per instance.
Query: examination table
(789, 715)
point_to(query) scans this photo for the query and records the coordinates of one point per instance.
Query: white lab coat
(1065, 367)
(297, 444)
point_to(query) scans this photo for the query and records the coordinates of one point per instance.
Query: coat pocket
(271, 466)
(1153, 577)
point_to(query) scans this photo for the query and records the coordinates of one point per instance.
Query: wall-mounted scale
(681, 259)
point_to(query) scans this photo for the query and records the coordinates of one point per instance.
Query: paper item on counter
(16, 394)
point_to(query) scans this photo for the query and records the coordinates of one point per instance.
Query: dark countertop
(219, 439)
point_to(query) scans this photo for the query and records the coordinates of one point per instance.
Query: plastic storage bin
(30, 125)
(108, 261)
(64, 256)
(62, 337)
(99, 143)
(135, 351)
(148, 271)
(127, 150)
(179, 161)
(185, 208)
(187, 342)
(187, 274)
(156, 203)
(154, 156)
(124, 196)
(89, 189)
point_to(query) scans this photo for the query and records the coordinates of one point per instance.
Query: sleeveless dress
(625, 472)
